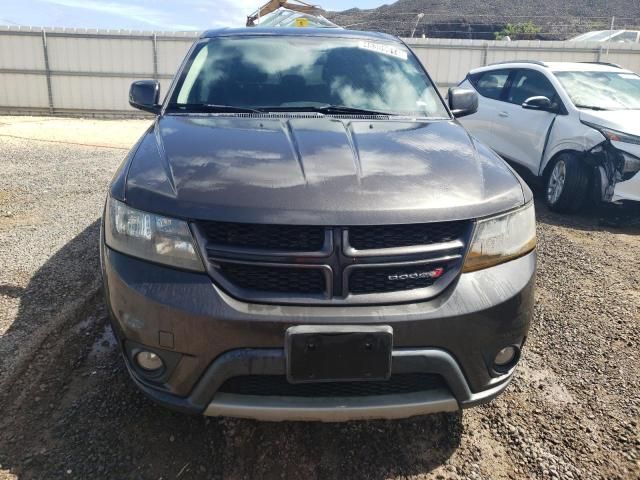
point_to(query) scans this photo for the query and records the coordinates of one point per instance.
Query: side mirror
(462, 102)
(145, 95)
(540, 103)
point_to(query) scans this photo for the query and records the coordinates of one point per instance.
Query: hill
(542, 19)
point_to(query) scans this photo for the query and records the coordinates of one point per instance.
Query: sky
(145, 14)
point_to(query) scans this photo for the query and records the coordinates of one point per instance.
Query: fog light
(505, 356)
(149, 361)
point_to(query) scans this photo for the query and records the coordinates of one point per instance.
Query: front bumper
(238, 363)
(208, 337)
(627, 190)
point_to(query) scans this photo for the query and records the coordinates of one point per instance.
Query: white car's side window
(491, 84)
(529, 83)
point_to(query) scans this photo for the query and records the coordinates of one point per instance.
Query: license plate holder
(317, 353)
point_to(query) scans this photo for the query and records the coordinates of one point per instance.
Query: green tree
(519, 31)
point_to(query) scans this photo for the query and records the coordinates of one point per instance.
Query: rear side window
(625, 37)
(527, 84)
(490, 84)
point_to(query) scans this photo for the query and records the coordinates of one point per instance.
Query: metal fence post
(154, 39)
(485, 54)
(45, 51)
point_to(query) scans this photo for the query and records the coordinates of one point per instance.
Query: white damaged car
(576, 125)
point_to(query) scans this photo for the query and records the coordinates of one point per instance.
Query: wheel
(566, 183)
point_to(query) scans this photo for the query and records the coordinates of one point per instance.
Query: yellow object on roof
(284, 13)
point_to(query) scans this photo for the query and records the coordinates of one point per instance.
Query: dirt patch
(117, 134)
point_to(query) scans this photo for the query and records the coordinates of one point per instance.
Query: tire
(566, 183)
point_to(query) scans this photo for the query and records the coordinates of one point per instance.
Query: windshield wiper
(211, 107)
(338, 109)
(592, 107)
(327, 109)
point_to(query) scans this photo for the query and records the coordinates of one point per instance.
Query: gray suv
(305, 232)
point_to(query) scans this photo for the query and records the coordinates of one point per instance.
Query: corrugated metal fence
(69, 71)
(88, 72)
(449, 60)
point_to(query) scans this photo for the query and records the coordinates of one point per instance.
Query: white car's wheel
(566, 183)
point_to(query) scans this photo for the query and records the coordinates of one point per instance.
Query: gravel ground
(52, 188)
(69, 410)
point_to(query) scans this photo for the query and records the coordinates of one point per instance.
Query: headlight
(631, 163)
(150, 237)
(615, 135)
(500, 239)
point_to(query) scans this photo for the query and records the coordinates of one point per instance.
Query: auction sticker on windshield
(384, 48)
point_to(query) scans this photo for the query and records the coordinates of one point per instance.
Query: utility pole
(413, 32)
(613, 22)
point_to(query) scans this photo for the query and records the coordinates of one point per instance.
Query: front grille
(298, 264)
(377, 280)
(277, 385)
(275, 279)
(288, 238)
(393, 236)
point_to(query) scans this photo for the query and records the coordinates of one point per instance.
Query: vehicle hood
(318, 170)
(625, 121)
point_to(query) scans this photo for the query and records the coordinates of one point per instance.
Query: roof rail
(605, 64)
(535, 62)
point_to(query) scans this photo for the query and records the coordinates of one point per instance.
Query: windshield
(594, 36)
(299, 73)
(602, 90)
